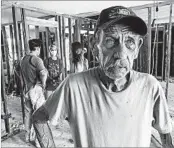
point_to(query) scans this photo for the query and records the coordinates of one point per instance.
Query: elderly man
(111, 105)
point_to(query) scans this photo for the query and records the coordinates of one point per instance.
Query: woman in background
(55, 69)
(79, 62)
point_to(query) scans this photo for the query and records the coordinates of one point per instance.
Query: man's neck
(33, 53)
(114, 85)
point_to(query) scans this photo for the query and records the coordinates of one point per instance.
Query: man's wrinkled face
(118, 47)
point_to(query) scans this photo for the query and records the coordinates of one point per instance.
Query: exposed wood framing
(16, 32)
(70, 40)
(40, 22)
(169, 50)
(77, 31)
(149, 38)
(12, 41)
(4, 98)
(6, 52)
(37, 31)
(25, 30)
(49, 12)
(43, 45)
(89, 53)
(64, 46)
(156, 54)
(20, 40)
(57, 38)
(163, 53)
(47, 41)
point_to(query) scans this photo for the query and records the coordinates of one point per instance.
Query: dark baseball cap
(121, 15)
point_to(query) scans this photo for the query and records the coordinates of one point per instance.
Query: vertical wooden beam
(169, 50)
(89, 53)
(47, 41)
(12, 41)
(163, 49)
(25, 29)
(57, 38)
(61, 43)
(37, 31)
(16, 32)
(156, 53)
(70, 40)
(77, 30)
(64, 46)
(6, 51)
(20, 40)
(149, 38)
(4, 98)
(43, 45)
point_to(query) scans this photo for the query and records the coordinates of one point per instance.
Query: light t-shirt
(101, 118)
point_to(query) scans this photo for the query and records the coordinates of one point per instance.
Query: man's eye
(130, 44)
(110, 42)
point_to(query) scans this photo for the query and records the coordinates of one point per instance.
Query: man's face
(38, 50)
(118, 47)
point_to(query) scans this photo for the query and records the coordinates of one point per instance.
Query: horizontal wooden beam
(19, 5)
(160, 4)
(40, 22)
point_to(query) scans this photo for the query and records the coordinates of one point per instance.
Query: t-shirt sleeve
(162, 120)
(57, 104)
(39, 64)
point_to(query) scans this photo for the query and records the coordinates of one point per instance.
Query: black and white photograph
(87, 74)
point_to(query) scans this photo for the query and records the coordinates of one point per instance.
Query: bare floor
(61, 133)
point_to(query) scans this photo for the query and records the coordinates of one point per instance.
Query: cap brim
(137, 24)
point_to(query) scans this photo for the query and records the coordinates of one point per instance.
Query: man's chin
(116, 75)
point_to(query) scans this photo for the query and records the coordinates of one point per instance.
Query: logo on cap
(117, 11)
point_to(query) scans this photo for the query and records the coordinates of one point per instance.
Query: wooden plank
(149, 39)
(64, 46)
(57, 38)
(16, 33)
(43, 11)
(25, 31)
(60, 36)
(37, 31)
(4, 98)
(20, 40)
(40, 22)
(77, 30)
(47, 41)
(156, 54)
(89, 53)
(169, 50)
(160, 4)
(70, 40)
(163, 52)
(12, 41)
(43, 45)
(6, 51)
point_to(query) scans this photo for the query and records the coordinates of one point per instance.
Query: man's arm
(43, 132)
(43, 76)
(166, 140)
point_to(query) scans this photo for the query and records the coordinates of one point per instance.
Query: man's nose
(120, 54)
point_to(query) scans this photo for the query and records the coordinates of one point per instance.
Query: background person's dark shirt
(54, 68)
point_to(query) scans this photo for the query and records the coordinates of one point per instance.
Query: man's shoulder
(84, 75)
(148, 78)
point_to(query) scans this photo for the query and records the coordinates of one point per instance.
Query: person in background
(34, 75)
(79, 62)
(55, 69)
(111, 105)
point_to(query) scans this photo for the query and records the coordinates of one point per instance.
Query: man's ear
(93, 46)
(138, 48)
